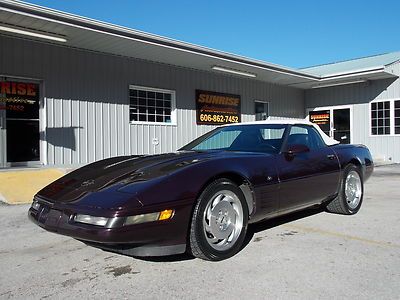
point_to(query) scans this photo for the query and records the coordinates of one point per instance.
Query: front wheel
(351, 192)
(219, 221)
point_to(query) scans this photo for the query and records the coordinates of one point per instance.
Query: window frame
(392, 117)
(263, 102)
(156, 90)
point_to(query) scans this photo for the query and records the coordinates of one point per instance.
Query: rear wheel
(219, 221)
(349, 199)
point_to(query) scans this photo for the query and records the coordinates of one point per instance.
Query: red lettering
(13, 88)
(31, 89)
(21, 89)
(5, 88)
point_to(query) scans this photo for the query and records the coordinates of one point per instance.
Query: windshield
(248, 138)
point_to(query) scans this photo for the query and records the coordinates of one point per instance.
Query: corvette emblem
(87, 183)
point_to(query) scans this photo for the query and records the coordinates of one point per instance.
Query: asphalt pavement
(304, 256)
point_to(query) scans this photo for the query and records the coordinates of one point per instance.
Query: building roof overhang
(79, 32)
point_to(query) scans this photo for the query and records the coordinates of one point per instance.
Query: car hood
(109, 175)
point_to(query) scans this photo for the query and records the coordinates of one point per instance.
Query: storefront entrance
(19, 123)
(335, 121)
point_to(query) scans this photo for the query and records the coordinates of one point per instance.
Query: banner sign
(20, 99)
(214, 108)
(322, 118)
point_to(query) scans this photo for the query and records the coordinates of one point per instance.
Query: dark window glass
(142, 94)
(134, 101)
(397, 130)
(142, 101)
(261, 110)
(150, 106)
(397, 104)
(380, 118)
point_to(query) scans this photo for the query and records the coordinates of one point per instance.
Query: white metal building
(75, 90)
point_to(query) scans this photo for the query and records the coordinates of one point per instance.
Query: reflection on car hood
(113, 173)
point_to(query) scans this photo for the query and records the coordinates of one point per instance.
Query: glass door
(335, 121)
(20, 103)
(3, 146)
(341, 125)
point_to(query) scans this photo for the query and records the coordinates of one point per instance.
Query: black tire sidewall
(209, 251)
(347, 170)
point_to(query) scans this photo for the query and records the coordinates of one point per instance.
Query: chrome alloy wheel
(353, 189)
(223, 220)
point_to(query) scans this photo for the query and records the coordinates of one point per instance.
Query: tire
(348, 201)
(219, 221)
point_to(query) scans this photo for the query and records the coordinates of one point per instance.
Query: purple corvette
(201, 198)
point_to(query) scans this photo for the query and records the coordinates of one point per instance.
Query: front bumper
(146, 239)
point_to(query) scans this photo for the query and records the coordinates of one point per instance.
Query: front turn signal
(166, 214)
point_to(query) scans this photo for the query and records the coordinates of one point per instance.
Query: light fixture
(222, 69)
(32, 33)
(338, 83)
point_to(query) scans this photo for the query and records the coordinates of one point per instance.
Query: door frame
(331, 108)
(42, 127)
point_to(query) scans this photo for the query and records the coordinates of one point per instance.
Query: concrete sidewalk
(19, 186)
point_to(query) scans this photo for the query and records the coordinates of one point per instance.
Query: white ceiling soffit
(103, 37)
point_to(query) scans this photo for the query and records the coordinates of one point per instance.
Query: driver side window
(305, 135)
(298, 136)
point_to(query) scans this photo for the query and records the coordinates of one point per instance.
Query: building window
(397, 117)
(261, 110)
(380, 118)
(151, 105)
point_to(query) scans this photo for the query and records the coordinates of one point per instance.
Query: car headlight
(151, 217)
(122, 221)
(35, 205)
(86, 219)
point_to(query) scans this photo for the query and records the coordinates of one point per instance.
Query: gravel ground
(307, 255)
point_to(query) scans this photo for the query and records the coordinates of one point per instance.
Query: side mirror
(294, 149)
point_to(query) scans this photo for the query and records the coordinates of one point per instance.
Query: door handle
(330, 156)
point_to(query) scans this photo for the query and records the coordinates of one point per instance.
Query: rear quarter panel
(358, 155)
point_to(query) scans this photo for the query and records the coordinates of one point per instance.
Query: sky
(290, 33)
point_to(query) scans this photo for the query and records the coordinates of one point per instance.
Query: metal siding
(383, 148)
(87, 104)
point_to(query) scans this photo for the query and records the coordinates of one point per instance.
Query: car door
(310, 175)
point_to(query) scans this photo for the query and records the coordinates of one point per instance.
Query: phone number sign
(213, 108)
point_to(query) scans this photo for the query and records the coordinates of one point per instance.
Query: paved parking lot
(308, 255)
